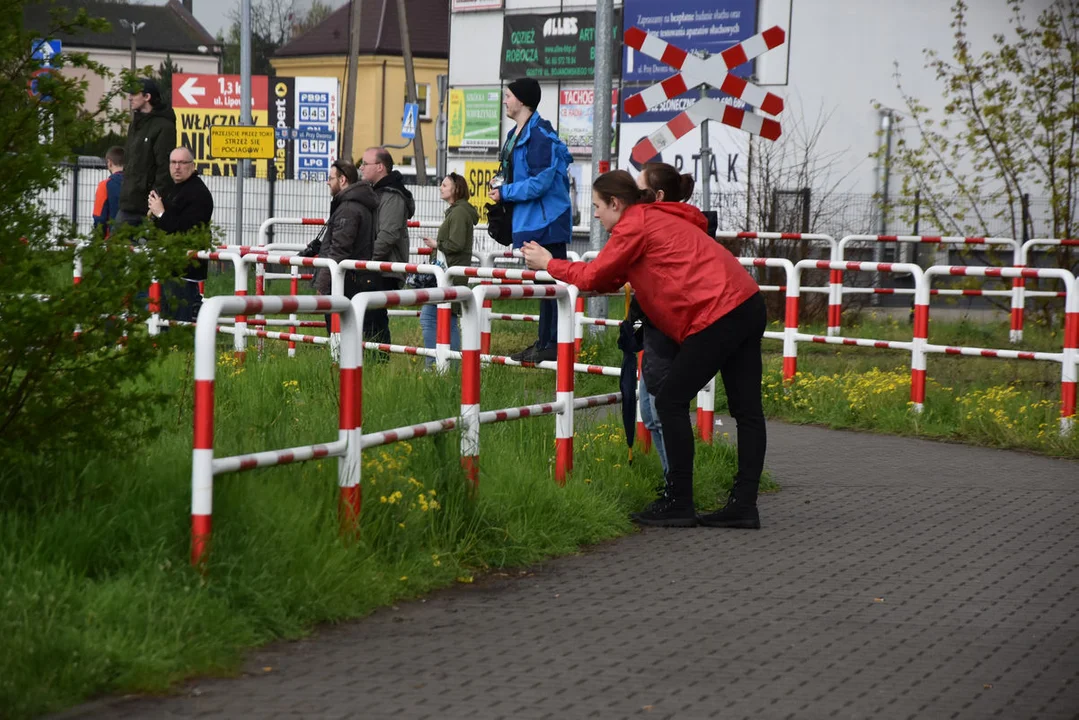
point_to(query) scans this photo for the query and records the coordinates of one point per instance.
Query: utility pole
(410, 83)
(245, 110)
(442, 152)
(706, 160)
(601, 127)
(134, 27)
(355, 10)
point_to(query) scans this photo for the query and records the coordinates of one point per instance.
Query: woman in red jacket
(696, 293)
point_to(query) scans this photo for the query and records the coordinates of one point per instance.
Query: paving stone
(893, 578)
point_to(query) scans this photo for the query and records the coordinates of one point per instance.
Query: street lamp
(135, 27)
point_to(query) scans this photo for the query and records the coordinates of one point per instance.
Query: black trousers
(180, 299)
(376, 323)
(732, 347)
(548, 313)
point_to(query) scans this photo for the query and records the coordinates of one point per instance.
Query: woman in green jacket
(454, 244)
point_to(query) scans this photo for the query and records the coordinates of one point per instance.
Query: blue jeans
(548, 313)
(650, 418)
(429, 325)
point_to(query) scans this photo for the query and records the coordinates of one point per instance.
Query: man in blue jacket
(535, 167)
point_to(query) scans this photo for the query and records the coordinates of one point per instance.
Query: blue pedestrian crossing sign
(408, 125)
(44, 50)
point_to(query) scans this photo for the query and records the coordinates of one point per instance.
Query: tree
(1009, 128)
(272, 25)
(66, 382)
(164, 75)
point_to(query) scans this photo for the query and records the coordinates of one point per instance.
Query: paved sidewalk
(893, 578)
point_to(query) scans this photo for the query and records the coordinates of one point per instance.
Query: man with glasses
(150, 137)
(395, 207)
(187, 206)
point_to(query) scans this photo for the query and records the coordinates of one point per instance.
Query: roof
(169, 27)
(429, 28)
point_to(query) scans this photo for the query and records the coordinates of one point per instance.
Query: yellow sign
(193, 127)
(478, 175)
(244, 143)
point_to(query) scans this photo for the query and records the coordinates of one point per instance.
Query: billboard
(202, 101)
(575, 112)
(553, 47)
(304, 114)
(475, 116)
(729, 164)
(697, 26)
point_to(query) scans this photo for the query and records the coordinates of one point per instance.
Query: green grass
(96, 592)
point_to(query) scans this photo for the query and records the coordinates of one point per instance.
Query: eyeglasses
(369, 164)
(180, 162)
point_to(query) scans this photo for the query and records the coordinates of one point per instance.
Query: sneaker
(520, 355)
(666, 513)
(733, 515)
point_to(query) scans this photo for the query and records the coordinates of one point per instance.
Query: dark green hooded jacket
(150, 139)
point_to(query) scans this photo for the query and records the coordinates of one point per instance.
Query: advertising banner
(202, 101)
(555, 47)
(304, 114)
(478, 175)
(474, 118)
(575, 111)
(697, 26)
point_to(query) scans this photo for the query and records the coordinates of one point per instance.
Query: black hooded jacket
(395, 208)
(349, 234)
(150, 139)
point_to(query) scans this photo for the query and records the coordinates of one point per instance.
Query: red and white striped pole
(642, 431)
(293, 289)
(1070, 361)
(790, 322)
(918, 354)
(471, 323)
(202, 446)
(349, 465)
(444, 317)
(578, 324)
(485, 325)
(706, 411)
(154, 324)
(239, 340)
(565, 378)
(1015, 332)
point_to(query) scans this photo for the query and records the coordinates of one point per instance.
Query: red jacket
(683, 279)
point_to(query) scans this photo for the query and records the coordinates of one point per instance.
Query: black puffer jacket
(349, 235)
(150, 139)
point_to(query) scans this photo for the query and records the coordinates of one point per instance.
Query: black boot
(669, 510)
(737, 513)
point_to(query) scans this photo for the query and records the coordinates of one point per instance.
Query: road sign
(408, 125)
(713, 71)
(206, 101)
(237, 142)
(44, 50)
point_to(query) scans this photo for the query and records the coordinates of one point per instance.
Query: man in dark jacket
(150, 138)
(188, 205)
(395, 207)
(349, 234)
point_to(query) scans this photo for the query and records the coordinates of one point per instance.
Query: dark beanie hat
(526, 90)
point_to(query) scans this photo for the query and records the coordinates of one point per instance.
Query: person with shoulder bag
(454, 243)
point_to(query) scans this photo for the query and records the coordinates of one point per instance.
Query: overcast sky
(214, 14)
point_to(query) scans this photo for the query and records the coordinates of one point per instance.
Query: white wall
(838, 57)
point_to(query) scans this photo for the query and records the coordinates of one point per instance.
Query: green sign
(475, 117)
(554, 47)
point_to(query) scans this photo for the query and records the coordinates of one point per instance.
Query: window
(423, 92)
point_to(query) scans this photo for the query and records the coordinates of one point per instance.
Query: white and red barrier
(1019, 299)
(1068, 357)
(203, 463)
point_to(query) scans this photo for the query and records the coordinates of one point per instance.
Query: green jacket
(455, 235)
(150, 139)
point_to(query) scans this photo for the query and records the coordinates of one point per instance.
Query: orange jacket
(683, 279)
